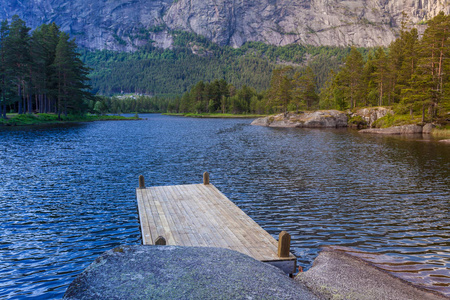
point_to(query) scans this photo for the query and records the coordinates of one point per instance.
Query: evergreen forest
(169, 73)
(40, 71)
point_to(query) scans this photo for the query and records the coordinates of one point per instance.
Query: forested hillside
(411, 75)
(155, 71)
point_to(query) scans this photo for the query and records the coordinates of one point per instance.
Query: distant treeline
(40, 72)
(129, 104)
(219, 96)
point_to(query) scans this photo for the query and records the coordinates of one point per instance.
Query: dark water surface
(67, 193)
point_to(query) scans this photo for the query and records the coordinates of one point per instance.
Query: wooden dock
(200, 215)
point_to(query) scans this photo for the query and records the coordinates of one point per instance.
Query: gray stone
(404, 129)
(173, 272)
(316, 119)
(428, 128)
(125, 24)
(337, 275)
(370, 115)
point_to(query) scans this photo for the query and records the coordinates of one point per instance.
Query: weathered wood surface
(200, 215)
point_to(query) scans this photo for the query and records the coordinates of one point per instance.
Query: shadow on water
(67, 192)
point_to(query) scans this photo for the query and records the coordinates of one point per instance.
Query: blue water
(67, 193)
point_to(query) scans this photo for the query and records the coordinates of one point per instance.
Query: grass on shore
(396, 120)
(36, 119)
(214, 115)
(441, 132)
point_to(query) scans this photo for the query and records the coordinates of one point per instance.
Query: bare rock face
(370, 115)
(317, 119)
(428, 128)
(98, 24)
(126, 24)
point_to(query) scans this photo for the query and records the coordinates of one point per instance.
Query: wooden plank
(263, 235)
(178, 219)
(150, 217)
(215, 238)
(224, 235)
(181, 215)
(173, 237)
(198, 226)
(143, 219)
(156, 225)
(251, 236)
(235, 231)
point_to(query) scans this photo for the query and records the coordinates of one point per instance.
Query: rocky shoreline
(317, 119)
(339, 119)
(324, 118)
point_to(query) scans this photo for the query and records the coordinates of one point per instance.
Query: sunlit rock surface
(316, 119)
(371, 114)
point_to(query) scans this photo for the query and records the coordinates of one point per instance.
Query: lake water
(67, 193)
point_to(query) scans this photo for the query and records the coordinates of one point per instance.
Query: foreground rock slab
(316, 119)
(337, 275)
(173, 272)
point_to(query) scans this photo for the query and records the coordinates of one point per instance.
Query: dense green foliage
(171, 72)
(412, 74)
(219, 96)
(130, 104)
(286, 92)
(40, 72)
(34, 119)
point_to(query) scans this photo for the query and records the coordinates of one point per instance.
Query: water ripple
(67, 193)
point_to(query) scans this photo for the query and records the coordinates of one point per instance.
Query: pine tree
(369, 89)
(280, 89)
(326, 96)
(45, 39)
(349, 78)
(434, 50)
(406, 81)
(427, 67)
(381, 73)
(304, 90)
(5, 91)
(70, 75)
(18, 60)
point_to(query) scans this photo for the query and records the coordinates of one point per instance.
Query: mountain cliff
(126, 24)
